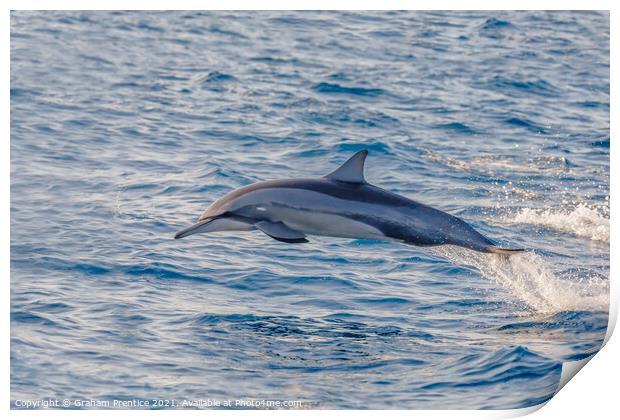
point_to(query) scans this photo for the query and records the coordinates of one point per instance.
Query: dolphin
(341, 204)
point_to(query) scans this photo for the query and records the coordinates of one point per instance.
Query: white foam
(582, 221)
(531, 280)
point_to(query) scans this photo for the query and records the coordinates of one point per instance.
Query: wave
(582, 221)
(530, 279)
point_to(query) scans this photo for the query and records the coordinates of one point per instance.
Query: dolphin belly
(326, 224)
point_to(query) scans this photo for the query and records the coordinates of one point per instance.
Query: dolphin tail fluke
(491, 249)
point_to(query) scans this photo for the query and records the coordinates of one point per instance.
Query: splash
(530, 279)
(582, 221)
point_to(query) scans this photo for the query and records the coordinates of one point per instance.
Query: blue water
(125, 126)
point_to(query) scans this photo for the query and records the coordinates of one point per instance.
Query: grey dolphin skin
(341, 204)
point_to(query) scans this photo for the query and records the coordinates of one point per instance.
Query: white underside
(325, 224)
(309, 212)
(321, 224)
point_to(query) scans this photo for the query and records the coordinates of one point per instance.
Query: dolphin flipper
(280, 232)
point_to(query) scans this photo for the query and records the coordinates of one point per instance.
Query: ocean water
(125, 126)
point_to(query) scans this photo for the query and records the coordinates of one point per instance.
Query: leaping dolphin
(341, 204)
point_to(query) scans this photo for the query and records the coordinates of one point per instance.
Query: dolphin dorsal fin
(352, 170)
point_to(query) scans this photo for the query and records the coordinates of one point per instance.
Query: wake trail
(583, 221)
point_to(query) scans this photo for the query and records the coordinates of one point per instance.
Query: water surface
(126, 125)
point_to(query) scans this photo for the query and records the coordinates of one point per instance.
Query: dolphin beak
(195, 228)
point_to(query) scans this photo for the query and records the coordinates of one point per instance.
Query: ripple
(536, 87)
(163, 272)
(456, 127)
(604, 143)
(334, 88)
(525, 123)
(31, 318)
(494, 28)
(515, 365)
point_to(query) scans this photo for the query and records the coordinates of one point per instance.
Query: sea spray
(532, 280)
